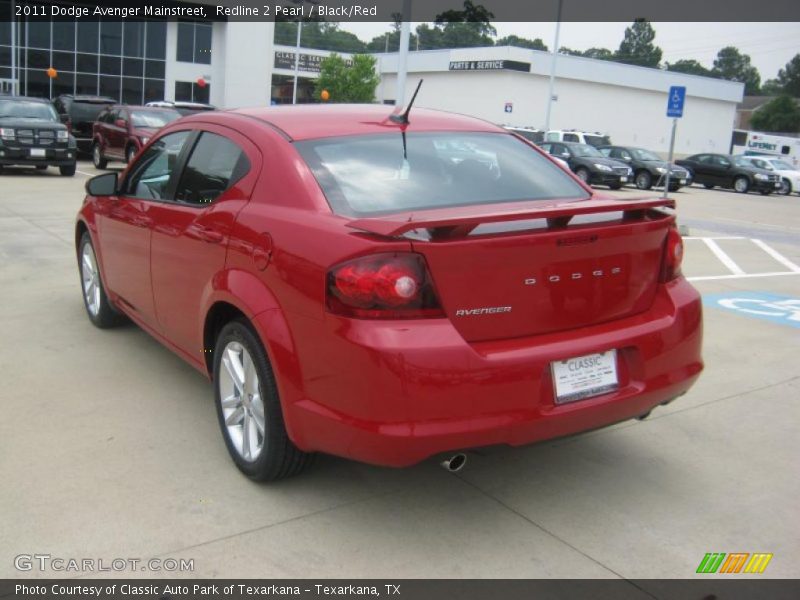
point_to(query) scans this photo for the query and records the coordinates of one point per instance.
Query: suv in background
(589, 164)
(121, 131)
(80, 113)
(581, 137)
(649, 169)
(32, 134)
(529, 133)
(185, 108)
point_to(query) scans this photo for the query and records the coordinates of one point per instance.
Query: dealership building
(233, 64)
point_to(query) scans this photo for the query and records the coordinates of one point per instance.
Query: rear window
(153, 118)
(86, 111)
(596, 140)
(368, 175)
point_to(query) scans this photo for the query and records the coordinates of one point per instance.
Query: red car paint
(116, 133)
(396, 391)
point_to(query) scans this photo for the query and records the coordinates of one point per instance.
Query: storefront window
(194, 42)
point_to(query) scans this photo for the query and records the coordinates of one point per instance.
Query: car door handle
(212, 236)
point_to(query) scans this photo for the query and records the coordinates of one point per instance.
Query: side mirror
(102, 185)
(121, 123)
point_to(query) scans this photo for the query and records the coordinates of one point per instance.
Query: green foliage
(318, 35)
(782, 114)
(789, 77)
(637, 46)
(596, 53)
(690, 67)
(519, 42)
(345, 83)
(732, 65)
(466, 28)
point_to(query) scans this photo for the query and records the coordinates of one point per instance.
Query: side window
(216, 163)
(606, 151)
(624, 155)
(552, 136)
(722, 162)
(150, 175)
(704, 158)
(571, 137)
(546, 147)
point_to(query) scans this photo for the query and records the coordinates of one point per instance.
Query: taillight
(383, 286)
(673, 256)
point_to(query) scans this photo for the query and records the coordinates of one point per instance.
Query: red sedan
(388, 291)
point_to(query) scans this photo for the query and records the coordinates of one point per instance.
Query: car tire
(643, 180)
(615, 186)
(41, 167)
(708, 186)
(98, 159)
(95, 300)
(584, 175)
(786, 187)
(249, 409)
(130, 154)
(741, 184)
(765, 192)
(67, 170)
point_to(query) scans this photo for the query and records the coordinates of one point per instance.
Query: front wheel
(741, 184)
(97, 157)
(786, 187)
(67, 171)
(249, 409)
(583, 175)
(644, 181)
(100, 311)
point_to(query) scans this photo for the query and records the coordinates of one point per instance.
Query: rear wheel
(97, 157)
(786, 187)
(644, 181)
(249, 409)
(583, 175)
(98, 307)
(67, 171)
(741, 184)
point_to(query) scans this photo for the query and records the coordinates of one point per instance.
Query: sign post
(675, 102)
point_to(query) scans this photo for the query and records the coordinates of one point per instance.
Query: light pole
(297, 61)
(14, 88)
(402, 57)
(553, 69)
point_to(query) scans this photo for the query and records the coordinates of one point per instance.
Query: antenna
(402, 118)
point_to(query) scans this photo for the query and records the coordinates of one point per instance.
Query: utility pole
(402, 57)
(553, 68)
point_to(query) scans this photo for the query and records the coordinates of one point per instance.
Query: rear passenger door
(192, 229)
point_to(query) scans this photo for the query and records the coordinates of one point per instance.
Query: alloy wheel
(91, 280)
(242, 404)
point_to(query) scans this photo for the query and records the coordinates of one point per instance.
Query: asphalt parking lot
(109, 447)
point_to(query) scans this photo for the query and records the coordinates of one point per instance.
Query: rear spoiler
(466, 219)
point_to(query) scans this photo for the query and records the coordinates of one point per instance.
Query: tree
(781, 114)
(519, 42)
(599, 53)
(344, 83)
(732, 65)
(466, 28)
(691, 67)
(637, 46)
(319, 35)
(789, 77)
(771, 87)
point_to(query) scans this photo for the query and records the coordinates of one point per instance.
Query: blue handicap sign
(783, 310)
(677, 96)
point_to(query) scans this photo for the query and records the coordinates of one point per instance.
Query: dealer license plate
(585, 376)
(38, 152)
(623, 179)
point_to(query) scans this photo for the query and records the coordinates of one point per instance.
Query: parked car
(580, 137)
(790, 177)
(121, 131)
(32, 134)
(351, 289)
(533, 135)
(185, 108)
(590, 165)
(649, 169)
(732, 172)
(80, 113)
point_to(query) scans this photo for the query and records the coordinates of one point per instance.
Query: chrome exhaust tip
(455, 463)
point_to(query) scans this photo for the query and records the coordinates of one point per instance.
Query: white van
(573, 135)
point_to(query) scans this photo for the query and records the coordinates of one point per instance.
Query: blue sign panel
(783, 310)
(677, 96)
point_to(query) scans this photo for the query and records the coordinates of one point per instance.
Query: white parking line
(723, 258)
(84, 173)
(736, 271)
(777, 256)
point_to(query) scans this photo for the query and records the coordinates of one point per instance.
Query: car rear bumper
(396, 394)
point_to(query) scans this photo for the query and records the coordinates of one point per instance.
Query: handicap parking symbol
(784, 310)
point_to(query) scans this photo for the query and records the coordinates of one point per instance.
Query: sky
(770, 45)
